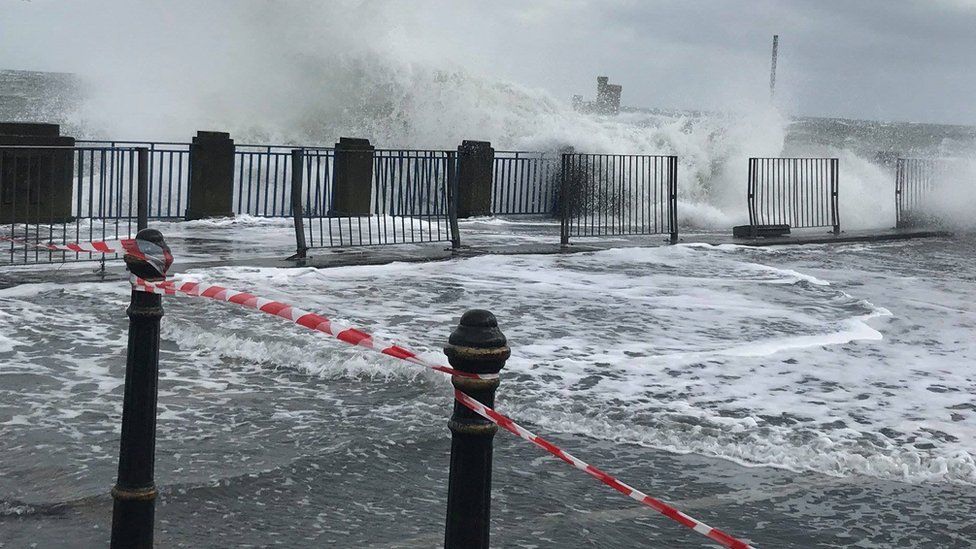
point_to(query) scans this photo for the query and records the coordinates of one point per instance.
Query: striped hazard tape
(360, 338)
(157, 256)
(96, 247)
(312, 321)
(509, 425)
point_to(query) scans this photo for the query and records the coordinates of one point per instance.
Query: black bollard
(475, 346)
(135, 491)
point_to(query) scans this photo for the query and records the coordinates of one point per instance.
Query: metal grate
(63, 195)
(411, 201)
(618, 194)
(799, 192)
(525, 183)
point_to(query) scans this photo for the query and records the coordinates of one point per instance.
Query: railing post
(142, 189)
(134, 493)
(750, 194)
(297, 182)
(475, 346)
(751, 197)
(564, 199)
(899, 184)
(453, 198)
(835, 200)
(673, 193)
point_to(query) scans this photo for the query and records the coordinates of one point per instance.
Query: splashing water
(310, 74)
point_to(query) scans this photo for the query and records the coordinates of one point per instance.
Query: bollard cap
(478, 328)
(477, 345)
(149, 258)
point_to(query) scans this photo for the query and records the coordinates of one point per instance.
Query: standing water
(800, 397)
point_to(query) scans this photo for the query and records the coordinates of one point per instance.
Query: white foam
(758, 357)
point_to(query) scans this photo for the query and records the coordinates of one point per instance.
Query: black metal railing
(169, 174)
(618, 195)
(411, 196)
(799, 192)
(262, 180)
(410, 201)
(921, 182)
(65, 195)
(525, 183)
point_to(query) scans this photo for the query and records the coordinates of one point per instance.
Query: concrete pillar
(35, 184)
(476, 163)
(352, 187)
(211, 191)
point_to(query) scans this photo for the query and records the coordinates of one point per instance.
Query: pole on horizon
(772, 69)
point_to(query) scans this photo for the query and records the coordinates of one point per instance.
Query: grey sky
(897, 59)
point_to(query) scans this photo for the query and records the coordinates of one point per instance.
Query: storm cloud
(888, 60)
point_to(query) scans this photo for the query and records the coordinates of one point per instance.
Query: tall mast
(772, 70)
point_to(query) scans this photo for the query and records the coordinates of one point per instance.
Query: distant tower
(607, 96)
(772, 70)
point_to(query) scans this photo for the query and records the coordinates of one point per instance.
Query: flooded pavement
(772, 393)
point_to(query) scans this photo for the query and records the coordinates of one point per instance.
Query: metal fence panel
(169, 174)
(921, 182)
(799, 192)
(525, 183)
(618, 195)
(64, 195)
(263, 179)
(410, 200)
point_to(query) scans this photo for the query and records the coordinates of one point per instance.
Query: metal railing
(262, 180)
(169, 174)
(921, 182)
(525, 183)
(411, 201)
(412, 194)
(262, 177)
(63, 195)
(799, 192)
(618, 195)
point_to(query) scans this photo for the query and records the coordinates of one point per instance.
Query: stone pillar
(35, 183)
(476, 163)
(352, 187)
(211, 191)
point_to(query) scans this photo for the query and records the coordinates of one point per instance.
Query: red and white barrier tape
(157, 256)
(359, 338)
(96, 247)
(312, 321)
(509, 425)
